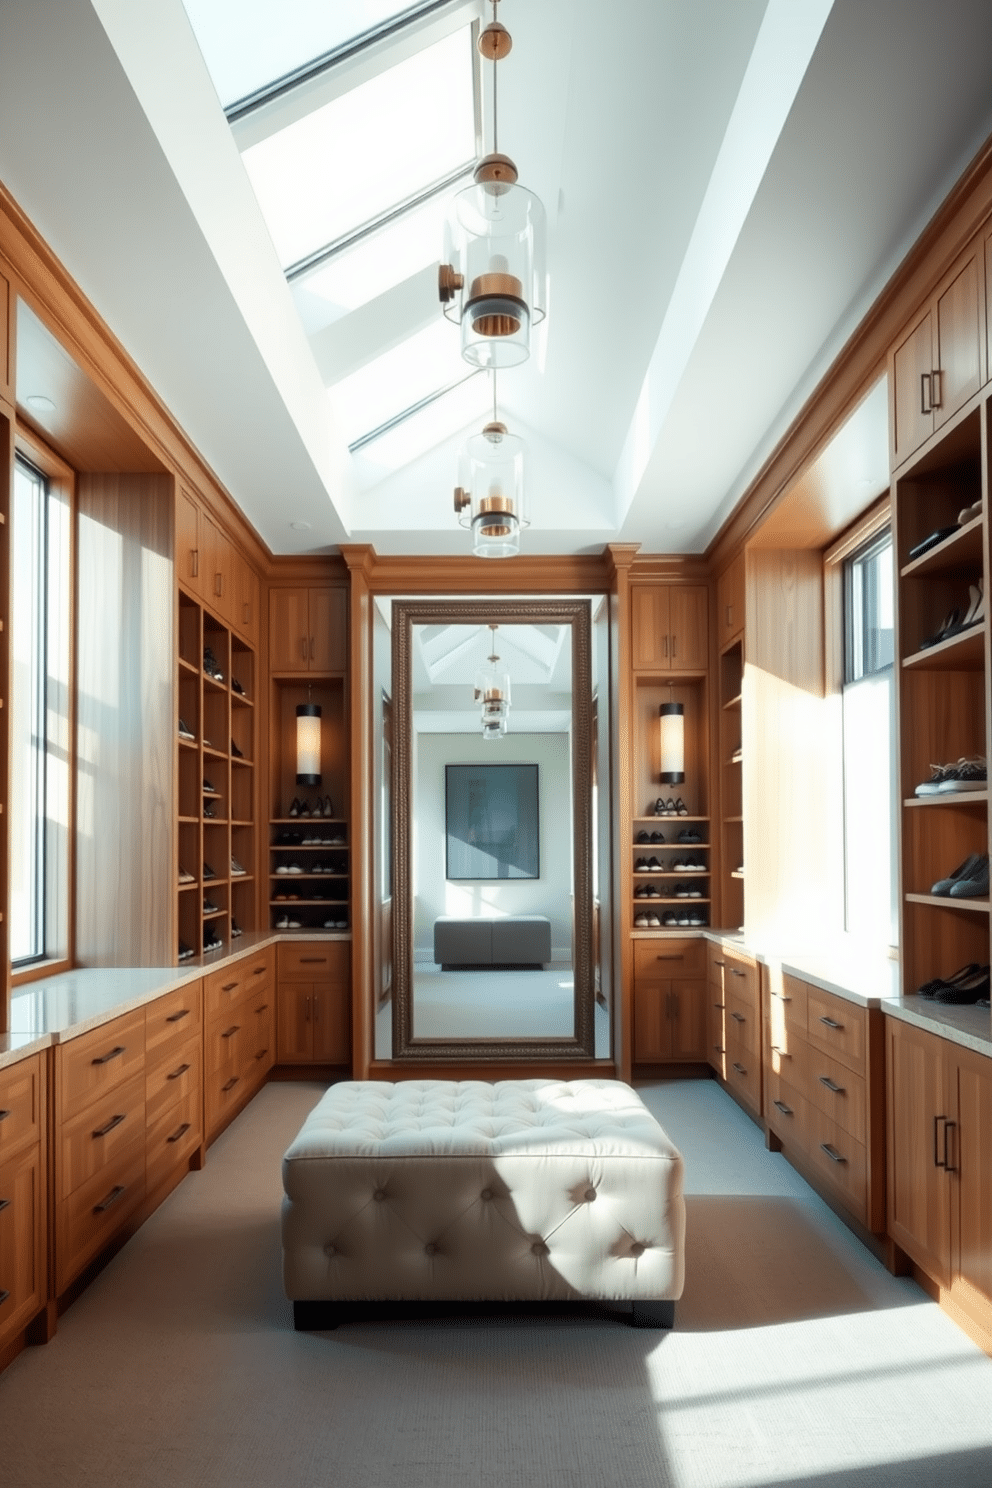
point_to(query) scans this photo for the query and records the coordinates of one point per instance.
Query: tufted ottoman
(442, 1190)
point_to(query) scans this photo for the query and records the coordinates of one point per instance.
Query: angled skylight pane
(396, 380)
(364, 152)
(459, 408)
(376, 263)
(248, 44)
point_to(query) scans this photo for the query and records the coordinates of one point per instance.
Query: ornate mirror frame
(576, 614)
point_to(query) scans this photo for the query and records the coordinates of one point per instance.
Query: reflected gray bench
(509, 940)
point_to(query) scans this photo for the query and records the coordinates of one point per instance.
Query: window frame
(61, 482)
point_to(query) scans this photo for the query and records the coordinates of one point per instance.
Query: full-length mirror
(492, 761)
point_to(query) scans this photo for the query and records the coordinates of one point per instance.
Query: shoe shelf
(730, 729)
(943, 901)
(978, 799)
(958, 556)
(216, 825)
(965, 652)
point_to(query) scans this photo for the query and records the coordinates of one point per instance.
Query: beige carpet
(795, 1358)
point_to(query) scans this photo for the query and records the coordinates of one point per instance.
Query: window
(870, 815)
(40, 742)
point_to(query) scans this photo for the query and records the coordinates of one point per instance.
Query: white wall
(550, 895)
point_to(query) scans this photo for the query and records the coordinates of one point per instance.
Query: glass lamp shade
(495, 246)
(307, 744)
(492, 472)
(671, 722)
(494, 728)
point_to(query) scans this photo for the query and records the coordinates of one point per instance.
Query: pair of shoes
(208, 811)
(211, 665)
(236, 687)
(688, 865)
(963, 974)
(209, 907)
(687, 891)
(670, 807)
(648, 865)
(285, 923)
(647, 891)
(235, 929)
(208, 872)
(185, 951)
(185, 732)
(288, 839)
(211, 940)
(236, 868)
(647, 922)
(960, 620)
(298, 808)
(970, 513)
(966, 775)
(335, 924)
(931, 541)
(210, 790)
(185, 876)
(688, 836)
(289, 868)
(965, 991)
(235, 751)
(970, 879)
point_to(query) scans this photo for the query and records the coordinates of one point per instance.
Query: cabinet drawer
(20, 1105)
(838, 1092)
(172, 1080)
(794, 998)
(97, 1135)
(100, 1061)
(837, 1027)
(744, 1077)
(841, 1161)
(663, 960)
(259, 1048)
(742, 1028)
(22, 1249)
(316, 962)
(224, 1041)
(223, 1091)
(716, 1035)
(741, 978)
(170, 1020)
(171, 1139)
(786, 1111)
(789, 1061)
(716, 963)
(89, 1218)
(224, 988)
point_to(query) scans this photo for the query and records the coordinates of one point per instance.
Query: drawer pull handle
(781, 1106)
(112, 1197)
(831, 1023)
(260, 971)
(5, 1114)
(3, 1297)
(263, 1009)
(832, 1153)
(719, 963)
(740, 1068)
(719, 1006)
(178, 1017)
(738, 1017)
(828, 1084)
(230, 1084)
(782, 1053)
(102, 1131)
(261, 1053)
(312, 960)
(4, 1204)
(228, 986)
(719, 1049)
(672, 957)
(234, 1028)
(180, 1133)
(114, 1054)
(176, 1073)
(735, 972)
(936, 1160)
(947, 1164)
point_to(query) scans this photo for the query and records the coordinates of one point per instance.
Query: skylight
(250, 44)
(359, 155)
(387, 386)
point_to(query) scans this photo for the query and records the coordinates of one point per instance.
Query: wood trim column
(359, 558)
(621, 556)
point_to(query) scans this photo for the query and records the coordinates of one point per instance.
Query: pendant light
(493, 278)
(308, 744)
(671, 724)
(490, 495)
(492, 691)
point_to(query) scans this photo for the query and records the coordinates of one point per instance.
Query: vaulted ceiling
(728, 184)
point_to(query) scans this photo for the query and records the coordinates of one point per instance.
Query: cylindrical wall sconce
(307, 744)
(671, 722)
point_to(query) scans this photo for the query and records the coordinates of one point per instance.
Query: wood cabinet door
(22, 1242)
(332, 1023)
(970, 1151)
(289, 630)
(649, 622)
(188, 553)
(688, 627)
(652, 1025)
(294, 1013)
(716, 1043)
(216, 568)
(244, 603)
(912, 417)
(958, 353)
(689, 1021)
(7, 322)
(328, 630)
(730, 600)
(919, 1105)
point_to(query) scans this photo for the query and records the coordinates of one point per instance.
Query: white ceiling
(728, 187)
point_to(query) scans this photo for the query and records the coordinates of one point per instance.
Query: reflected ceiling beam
(782, 52)
(286, 102)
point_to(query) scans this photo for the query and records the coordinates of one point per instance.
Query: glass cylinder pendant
(671, 724)
(308, 744)
(492, 501)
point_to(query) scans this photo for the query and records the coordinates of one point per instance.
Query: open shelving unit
(731, 754)
(215, 774)
(942, 695)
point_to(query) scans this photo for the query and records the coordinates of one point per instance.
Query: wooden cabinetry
(940, 1164)
(314, 1003)
(173, 1088)
(734, 1023)
(940, 361)
(730, 601)
(669, 1001)
(215, 773)
(238, 1036)
(23, 1192)
(730, 744)
(669, 628)
(308, 629)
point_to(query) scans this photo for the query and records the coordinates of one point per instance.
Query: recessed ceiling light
(40, 403)
(300, 526)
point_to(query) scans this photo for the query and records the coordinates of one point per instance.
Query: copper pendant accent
(491, 504)
(448, 283)
(495, 170)
(495, 42)
(462, 498)
(500, 318)
(494, 430)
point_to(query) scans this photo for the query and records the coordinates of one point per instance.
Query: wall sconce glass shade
(493, 279)
(307, 744)
(490, 498)
(671, 718)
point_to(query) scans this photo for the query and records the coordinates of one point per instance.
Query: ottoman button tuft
(486, 1193)
(379, 1195)
(330, 1250)
(430, 1248)
(589, 1195)
(539, 1248)
(638, 1248)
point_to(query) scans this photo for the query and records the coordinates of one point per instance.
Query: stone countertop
(971, 1027)
(58, 1008)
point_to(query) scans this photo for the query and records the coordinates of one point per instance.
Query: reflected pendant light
(671, 725)
(493, 278)
(307, 744)
(492, 692)
(489, 498)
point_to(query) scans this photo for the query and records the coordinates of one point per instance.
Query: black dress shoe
(235, 751)
(185, 951)
(236, 687)
(208, 872)
(967, 991)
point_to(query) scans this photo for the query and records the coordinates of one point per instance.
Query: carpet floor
(796, 1358)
